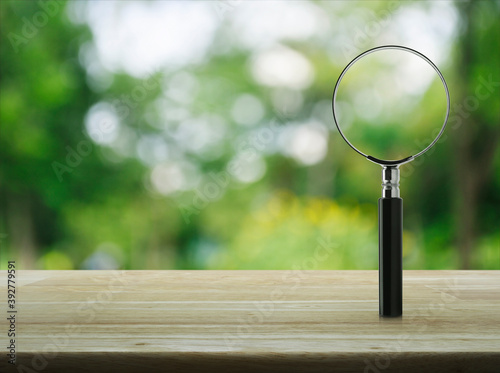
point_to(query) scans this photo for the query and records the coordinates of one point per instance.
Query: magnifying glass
(384, 105)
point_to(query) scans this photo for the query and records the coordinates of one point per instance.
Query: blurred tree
(475, 125)
(43, 98)
(46, 159)
(68, 200)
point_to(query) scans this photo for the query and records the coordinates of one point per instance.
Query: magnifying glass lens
(391, 104)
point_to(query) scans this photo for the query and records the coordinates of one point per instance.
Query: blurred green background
(199, 135)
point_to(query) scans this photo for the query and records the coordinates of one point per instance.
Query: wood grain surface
(251, 321)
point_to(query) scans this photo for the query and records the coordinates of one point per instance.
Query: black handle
(390, 230)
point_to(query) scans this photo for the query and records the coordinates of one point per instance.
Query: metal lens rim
(406, 49)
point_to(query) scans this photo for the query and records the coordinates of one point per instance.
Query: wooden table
(251, 321)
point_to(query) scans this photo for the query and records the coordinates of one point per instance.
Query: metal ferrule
(390, 181)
